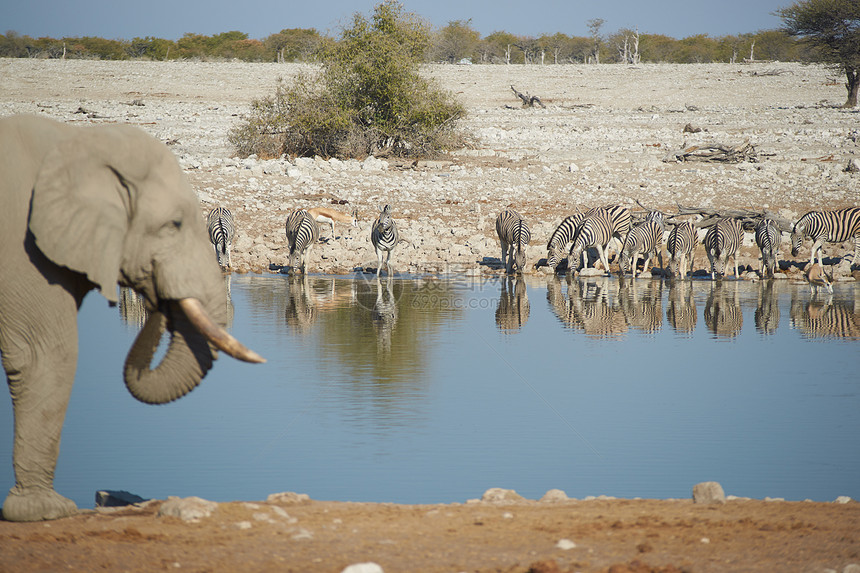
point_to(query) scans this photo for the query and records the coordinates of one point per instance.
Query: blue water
(425, 391)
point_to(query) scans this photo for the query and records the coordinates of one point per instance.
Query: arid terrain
(601, 139)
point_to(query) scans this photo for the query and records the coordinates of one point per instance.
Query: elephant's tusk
(222, 340)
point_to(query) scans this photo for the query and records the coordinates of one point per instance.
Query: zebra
(831, 226)
(645, 239)
(221, 230)
(620, 218)
(595, 231)
(768, 237)
(722, 241)
(302, 233)
(562, 236)
(514, 236)
(681, 243)
(384, 237)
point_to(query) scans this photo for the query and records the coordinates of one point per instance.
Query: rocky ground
(601, 139)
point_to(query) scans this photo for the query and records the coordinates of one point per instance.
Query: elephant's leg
(40, 377)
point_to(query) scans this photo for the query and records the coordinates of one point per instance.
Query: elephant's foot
(36, 504)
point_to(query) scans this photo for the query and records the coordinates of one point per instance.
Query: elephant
(93, 207)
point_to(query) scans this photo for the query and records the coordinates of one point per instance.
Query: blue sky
(170, 19)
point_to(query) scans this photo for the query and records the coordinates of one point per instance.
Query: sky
(171, 19)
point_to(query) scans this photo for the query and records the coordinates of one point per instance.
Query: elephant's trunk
(189, 355)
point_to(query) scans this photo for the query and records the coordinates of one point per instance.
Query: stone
(112, 498)
(565, 544)
(853, 166)
(369, 567)
(187, 509)
(708, 492)
(843, 499)
(288, 497)
(554, 495)
(497, 494)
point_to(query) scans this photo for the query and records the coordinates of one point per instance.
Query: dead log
(713, 152)
(528, 101)
(749, 219)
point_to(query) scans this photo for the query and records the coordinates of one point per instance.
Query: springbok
(326, 215)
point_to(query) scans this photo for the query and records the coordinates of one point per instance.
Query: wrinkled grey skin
(84, 208)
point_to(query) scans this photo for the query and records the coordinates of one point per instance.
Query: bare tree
(594, 26)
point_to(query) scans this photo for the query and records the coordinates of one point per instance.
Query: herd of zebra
(596, 228)
(599, 227)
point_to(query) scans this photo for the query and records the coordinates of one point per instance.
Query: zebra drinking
(514, 235)
(831, 226)
(302, 233)
(681, 244)
(768, 237)
(221, 230)
(560, 241)
(384, 237)
(595, 231)
(722, 241)
(645, 239)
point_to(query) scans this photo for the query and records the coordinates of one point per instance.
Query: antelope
(326, 215)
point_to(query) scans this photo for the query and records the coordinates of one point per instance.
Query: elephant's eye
(171, 227)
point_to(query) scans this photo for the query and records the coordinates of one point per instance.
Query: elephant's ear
(79, 212)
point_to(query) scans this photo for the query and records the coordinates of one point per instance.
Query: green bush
(368, 98)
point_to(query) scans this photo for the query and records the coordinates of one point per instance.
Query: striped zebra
(644, 239)
(514, 236)
(595, 231)
(221, 230)
(681, 244)
(384, 237)
(562, 237)
(558, 245)
(768, 237)
(722, 241)
(830, 226)
(302, 233)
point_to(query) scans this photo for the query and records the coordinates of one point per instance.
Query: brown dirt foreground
(614, 535)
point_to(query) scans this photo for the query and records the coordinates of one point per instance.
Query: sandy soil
(600, 140)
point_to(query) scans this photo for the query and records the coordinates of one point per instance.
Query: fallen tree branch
(713, 152)
(528, 101)
(749, 219)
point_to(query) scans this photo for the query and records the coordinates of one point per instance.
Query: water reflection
(590, 305)
(723, 315)
(767, 308)
(132, 307)
(513, 309)
(825, 317)
(681, 307)
(384, 314)
(642, 303)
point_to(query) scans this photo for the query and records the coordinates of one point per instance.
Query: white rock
(187, 509)
(554, 495)
(565, 544)
(843, 499)
(369, 567)
(495, 494)
(708, 492)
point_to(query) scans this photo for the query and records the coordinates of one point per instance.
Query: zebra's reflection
(824, 317)
(642, 303)
(589, 305)
(681, 307)
(300, 312)
(767, 308)
(132, 307)
(384, 314)
(723, 314)
(513, 309)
